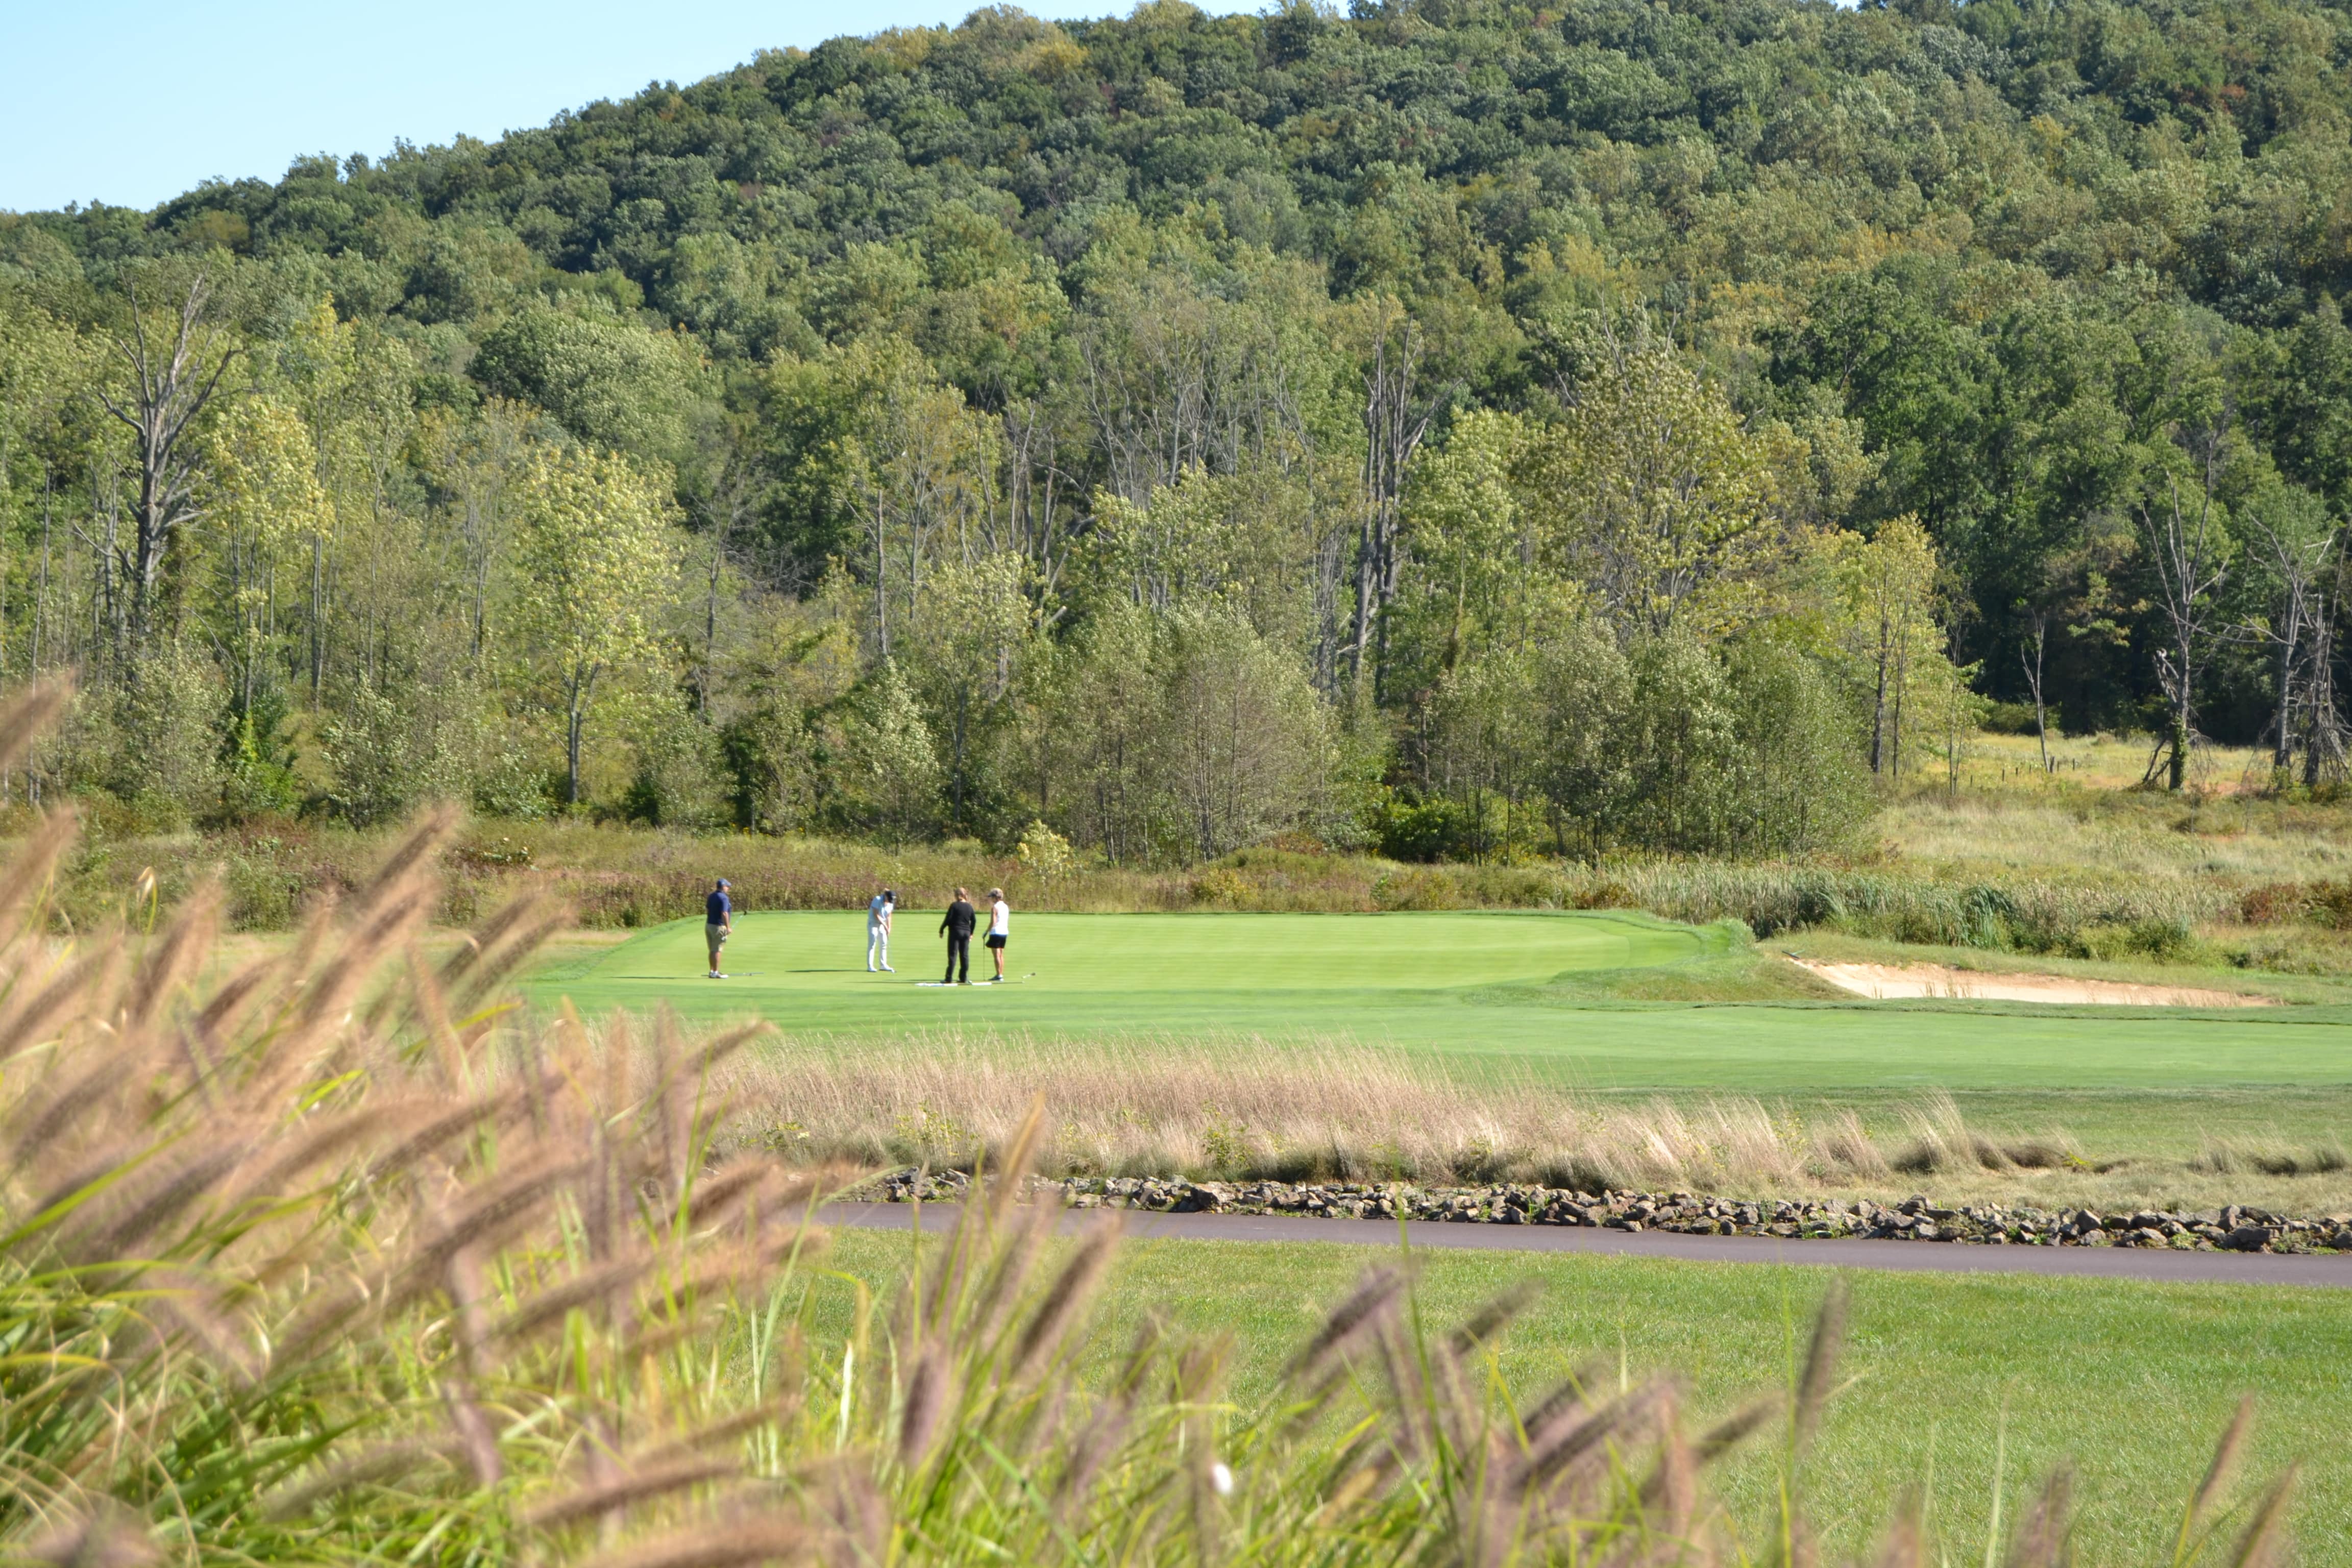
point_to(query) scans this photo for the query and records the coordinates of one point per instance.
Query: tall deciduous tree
(594, 555)
(265, 488)
(1655, 492)
(1884, 622)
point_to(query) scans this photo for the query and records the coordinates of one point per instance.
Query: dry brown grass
(1341, 1112)
(1326, 1112)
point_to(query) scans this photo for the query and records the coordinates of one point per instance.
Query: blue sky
(133, 101)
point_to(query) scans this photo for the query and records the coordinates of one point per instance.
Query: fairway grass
(1542, 994)
(2132, 1381)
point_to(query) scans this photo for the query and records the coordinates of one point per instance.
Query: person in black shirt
(718, 923)
(958, 923)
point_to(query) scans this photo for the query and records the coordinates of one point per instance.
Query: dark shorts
(995, 939)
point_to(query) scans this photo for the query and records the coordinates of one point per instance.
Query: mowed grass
(1537, 995)
(2131, 1382)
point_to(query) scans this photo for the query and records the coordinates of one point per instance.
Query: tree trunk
(582, 681)
(318, 614)
(2282, 740)
(1878, 712)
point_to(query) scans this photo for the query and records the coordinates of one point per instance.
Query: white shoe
(871, 970)
(887, 970)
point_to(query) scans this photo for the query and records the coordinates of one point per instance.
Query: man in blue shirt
(718, 923)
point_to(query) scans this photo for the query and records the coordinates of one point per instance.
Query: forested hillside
(1462, 428)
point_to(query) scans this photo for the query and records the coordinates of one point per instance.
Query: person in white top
(878, 931)
(1000, 927)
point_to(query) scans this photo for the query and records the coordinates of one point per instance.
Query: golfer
(1000, 927)
(878, 931)
(718, 923)
(958, 923)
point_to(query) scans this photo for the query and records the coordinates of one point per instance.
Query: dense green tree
(1034, 392)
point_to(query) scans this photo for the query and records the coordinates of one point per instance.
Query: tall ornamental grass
(330, 1259)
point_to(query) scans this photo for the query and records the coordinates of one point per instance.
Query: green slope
(1489, 989)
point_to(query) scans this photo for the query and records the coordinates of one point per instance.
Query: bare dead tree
(2037, 623)
(2298, 563)
(169, 388)
(2187, 547)
(1394, 424)
(2302, 643)
(2326, 741)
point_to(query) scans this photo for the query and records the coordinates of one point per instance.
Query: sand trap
(1884, 981)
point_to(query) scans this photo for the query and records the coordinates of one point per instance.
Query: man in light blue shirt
(878, 931)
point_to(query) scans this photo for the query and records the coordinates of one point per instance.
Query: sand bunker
(1887, 981)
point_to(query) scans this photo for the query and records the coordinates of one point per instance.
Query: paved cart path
(1927, 1257)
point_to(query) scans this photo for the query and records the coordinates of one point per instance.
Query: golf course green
(1522, 990)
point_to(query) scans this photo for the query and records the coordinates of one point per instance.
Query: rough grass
(1337, 1112)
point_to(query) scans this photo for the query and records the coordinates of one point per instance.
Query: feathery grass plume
(106, 1536)
(2044, 1534)
(1067, 1296)
(2208, 1494)
(725, 1429)
(1815, 1382)
(1905, 1545)
(1358, 1317)
(376, 1463)
(1670, 1494)
(595, 1283)
(715, 1545)
(168, 963)
(1012, 1167)
(632, 1487)
(930, 1392)
(1491, 1318)
(27, 715)
(1736, 1428)
(2264, 1541)
(1008, 1270)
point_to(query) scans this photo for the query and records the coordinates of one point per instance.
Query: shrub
(1423, 831)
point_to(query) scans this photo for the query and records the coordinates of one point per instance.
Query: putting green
(1478, 986)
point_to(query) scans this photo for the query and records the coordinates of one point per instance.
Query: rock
(2248, 1238)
